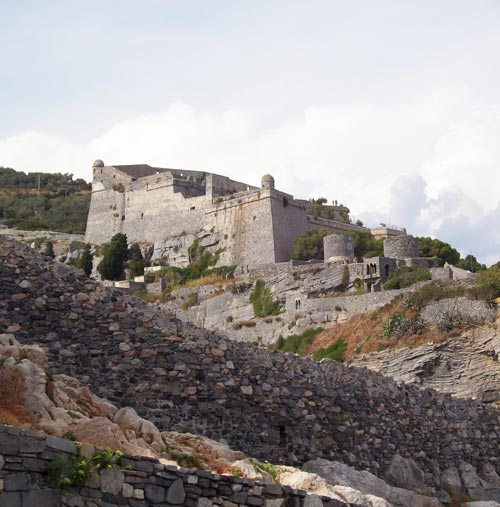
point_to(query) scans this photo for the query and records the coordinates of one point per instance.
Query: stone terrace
(270, 405)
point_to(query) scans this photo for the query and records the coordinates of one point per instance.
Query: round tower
(98, 163)
(267, 182)
(338, 248)
(401, 247)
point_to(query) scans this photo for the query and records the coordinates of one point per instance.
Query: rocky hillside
(465, 365)
(270, 405)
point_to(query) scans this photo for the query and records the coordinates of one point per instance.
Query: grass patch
(191, 301)
(262, 301)
(298, 343)
(406, 276)
(335, 351)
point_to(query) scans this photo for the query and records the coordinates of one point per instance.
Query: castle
(170, 208)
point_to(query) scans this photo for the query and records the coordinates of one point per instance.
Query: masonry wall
(270, 405)
(136, 482)
(244, 226)
(142, 209)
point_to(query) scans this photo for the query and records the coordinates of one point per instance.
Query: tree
(115, 255)
(429, 247)
(365, 246)
(49, 249)
(309, 245)
(86, 260)
(138, 263)
(471, 264)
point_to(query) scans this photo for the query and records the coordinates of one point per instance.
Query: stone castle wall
(401, 247)
(250, 226)
(339, 247)
(270, 405)
(25, 457)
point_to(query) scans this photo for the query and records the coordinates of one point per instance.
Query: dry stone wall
(270, 405)
(26, 455)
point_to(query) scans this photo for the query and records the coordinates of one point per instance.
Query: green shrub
(138, 263)
(444, 252)
(262, 301)
(399, 325)
(298, 343)
(201, 262)
(406, 276)
(434, 291)
(396, 325)
(309, 245)
(335, 351)
(49, 249)
(75, 471)
(488, 284)
(115, 255)
(452, 320)
(191, 301)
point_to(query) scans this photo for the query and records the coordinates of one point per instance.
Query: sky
(391, 107)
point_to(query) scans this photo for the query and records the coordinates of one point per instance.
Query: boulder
(405, 473)
(339, 474)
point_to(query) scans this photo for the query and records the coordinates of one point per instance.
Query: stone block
(112, 481)
(17, 482)
(9, 444)
(155, 494)
(61, 444)
(31, 445)
(41, 498)
(10, 500)
(176, 493)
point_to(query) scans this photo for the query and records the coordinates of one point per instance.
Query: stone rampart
(401, 247)
(25, 457)
(339, 247)
(273, 406)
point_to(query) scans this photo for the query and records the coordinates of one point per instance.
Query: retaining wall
(136, 481)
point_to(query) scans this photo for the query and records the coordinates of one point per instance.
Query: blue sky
(391, 107)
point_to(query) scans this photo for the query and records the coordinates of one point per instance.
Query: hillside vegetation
(398, 324)
(36, 201)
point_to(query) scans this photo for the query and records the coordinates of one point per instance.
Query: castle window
(297, 303)
(192, 208)
(123, 218)
(142, 215)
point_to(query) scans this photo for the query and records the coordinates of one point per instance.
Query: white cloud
(430, 165)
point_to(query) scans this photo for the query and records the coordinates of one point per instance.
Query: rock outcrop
(464, 366)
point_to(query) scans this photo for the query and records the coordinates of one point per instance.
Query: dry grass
(212, 279)
(363, 333)
(12, 402)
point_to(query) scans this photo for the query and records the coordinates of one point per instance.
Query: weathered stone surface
(176, 493)
(464, 366)
(155, 494)
(338, 474)
(112, 481)
(404, 473)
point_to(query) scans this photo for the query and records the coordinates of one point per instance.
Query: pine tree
(114, 258)
(49, 249)
(138, 263)
(86, 260)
